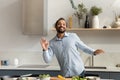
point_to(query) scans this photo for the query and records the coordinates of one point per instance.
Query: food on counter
(78, 78)
(61, 77)
(44, 77)
(23, 78)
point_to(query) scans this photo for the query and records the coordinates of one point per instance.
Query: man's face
(61, 26)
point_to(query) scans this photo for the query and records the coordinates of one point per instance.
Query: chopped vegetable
(78, 78)
(44, 75)
(61, 77)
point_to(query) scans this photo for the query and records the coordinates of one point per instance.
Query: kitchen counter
(55, 78)
(106, 74)
(52, 67)
(108, 69)
(55, 67)
(36, 78)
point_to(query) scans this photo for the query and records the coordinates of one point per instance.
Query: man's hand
(44, 44)
(98, 51)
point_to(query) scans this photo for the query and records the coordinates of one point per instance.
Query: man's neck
(60, 35)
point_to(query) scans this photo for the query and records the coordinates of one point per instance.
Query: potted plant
(116, 24)
(95, 11)
(80, 11)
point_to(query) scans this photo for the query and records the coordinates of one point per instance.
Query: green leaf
(44, 75)
(95, 10)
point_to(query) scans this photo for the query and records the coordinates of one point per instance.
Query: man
(65, 47)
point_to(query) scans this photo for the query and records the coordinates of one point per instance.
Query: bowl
(92, 78)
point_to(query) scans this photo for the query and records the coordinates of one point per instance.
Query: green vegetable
(78, 78)
(83, 78)
(44, 75)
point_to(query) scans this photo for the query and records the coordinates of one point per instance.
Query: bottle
(70, 22)
(87, 22)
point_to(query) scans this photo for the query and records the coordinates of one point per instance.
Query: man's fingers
(43, 40)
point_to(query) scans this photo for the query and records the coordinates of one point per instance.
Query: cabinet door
(23, 72)
(115, 75)
(33, 16)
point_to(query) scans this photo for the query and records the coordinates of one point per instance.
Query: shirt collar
(66, 34)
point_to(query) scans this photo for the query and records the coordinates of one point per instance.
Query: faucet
(92, 64)
(92, 61)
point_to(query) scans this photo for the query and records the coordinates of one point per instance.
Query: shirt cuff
(45, 51)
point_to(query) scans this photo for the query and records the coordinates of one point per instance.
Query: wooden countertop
(56, 78)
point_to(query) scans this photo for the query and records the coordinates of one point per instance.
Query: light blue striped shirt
(68, 56)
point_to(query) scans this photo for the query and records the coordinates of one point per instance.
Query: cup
(4, 62)
(16, 61)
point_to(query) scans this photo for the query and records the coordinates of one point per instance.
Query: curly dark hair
(59, 20)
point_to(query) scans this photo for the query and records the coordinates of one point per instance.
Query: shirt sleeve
(81, 45)
(47, 55)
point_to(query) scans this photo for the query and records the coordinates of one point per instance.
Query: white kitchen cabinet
(33, 17)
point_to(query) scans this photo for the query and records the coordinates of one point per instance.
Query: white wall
(11, 36)
(14, 44)
(109, 41)
(98, 39)
(12, 40)
(62, 8)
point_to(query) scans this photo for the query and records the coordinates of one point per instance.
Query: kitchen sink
(95, 67)
(32, 66)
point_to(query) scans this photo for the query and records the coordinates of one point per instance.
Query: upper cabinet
(33, 17)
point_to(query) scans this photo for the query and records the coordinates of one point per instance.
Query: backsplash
(106, 59)
(25, 58)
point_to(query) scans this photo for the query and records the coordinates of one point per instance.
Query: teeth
(61, 28)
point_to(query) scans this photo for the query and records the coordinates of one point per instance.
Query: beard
(60, 31)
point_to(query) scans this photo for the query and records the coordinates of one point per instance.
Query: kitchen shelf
(90, 29)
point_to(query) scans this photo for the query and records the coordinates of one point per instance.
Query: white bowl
(93, 78)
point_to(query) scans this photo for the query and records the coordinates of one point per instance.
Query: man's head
(60, 25)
